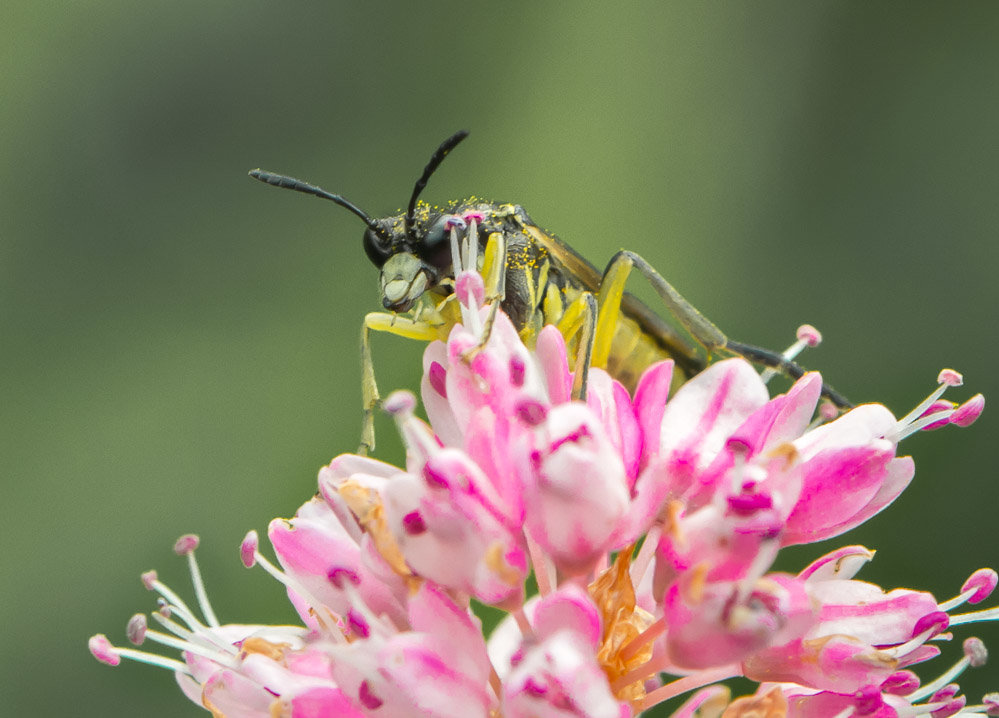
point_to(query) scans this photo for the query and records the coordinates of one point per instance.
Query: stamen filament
(680, 686)
(987, 614)
(192, 646)
(646, 553)
(302, 591)
(153, 659)
(940, 681)
(544, 570)
(177, 604)
(199, 591)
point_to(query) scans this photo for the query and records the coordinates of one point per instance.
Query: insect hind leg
(703, 331)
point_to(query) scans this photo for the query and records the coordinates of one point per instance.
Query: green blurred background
(179, 343)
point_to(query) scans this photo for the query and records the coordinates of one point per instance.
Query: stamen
(185, 547)
(175, 602)
(917, 418)
(318, 608)
(926, 627)
(988, 614)
(136, 629)
(646, 553)
(201, 648)
(974, 655)
(202, 636)
(976, 589)
(808, 336)
(248, 548)
(680, 686)
(347, 580)
(416, 436)
(544, 570)
(455, 251)
(105, 652)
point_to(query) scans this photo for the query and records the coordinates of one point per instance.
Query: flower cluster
(649, 523)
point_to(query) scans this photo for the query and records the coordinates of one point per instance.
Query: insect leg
(700, 327)
(494, 267)
(392, 324)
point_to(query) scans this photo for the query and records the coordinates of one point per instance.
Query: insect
(538, 280)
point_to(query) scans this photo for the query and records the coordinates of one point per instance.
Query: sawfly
(538, 279)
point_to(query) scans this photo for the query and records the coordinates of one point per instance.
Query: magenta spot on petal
(434, 477)
(984, 582)
(900, 683)
(968, 413)
(738, 445)
(368, 699)
(745, 504)
(937, 621)
(338, 574)
(437, 376)
(531, 412)
(413, 523)
(572, 437)
(953, 703)
(185, 544)
(358, 626)
(867, 700)
(517, 657)
(534, 688)
(517, 370)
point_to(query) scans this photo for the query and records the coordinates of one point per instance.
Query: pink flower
(650, 525)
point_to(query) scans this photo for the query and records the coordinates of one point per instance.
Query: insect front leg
(703, 331)
(370, 398)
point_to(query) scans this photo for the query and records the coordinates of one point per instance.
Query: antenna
(435, 161)
(299, 186)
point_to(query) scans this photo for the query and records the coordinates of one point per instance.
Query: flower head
(650, 524)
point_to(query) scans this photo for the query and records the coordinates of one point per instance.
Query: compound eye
(376, 247)
(435, 246)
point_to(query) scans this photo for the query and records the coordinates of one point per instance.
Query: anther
(136, 629)
(102, 650)
(399, 403)
(248, 549)
(975, 651)
(950, 377)
(186, 544)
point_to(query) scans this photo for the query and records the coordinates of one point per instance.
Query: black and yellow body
(543, 282)
(538, 280)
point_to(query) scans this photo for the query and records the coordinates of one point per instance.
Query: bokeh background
(179, 343)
